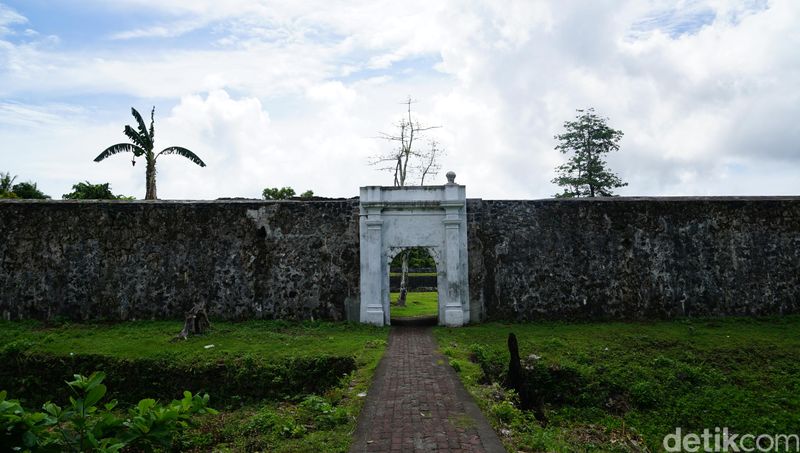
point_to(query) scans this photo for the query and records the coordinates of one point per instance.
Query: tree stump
(401, 299)
(196, 322)
(516, 380)
(514, 376)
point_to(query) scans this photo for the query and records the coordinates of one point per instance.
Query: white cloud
(246, 150)
(8, 18)
(20, 115)
(160, 31)
(678, 100)
(705, 91)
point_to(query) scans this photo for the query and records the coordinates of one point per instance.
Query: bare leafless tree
(406, 161)
(430, 162)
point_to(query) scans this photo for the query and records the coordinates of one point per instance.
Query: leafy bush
(624, 386)
(89, 191)
(290, 429)
(83, 426)
(376, 343)
(28, 190)
(505, 411)
(269, 421)
(274, 193)
(317, 411)
(645, 394)
(160, 377)
(492, 363)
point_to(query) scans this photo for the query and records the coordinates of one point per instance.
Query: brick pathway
(417, 404)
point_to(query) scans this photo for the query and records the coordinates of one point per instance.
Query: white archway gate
(396, 218)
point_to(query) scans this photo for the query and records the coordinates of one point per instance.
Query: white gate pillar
(453, 310)
(374, 307)
(371, 267)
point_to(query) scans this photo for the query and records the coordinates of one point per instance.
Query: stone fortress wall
(635, 258)
(616, 258)
(155, 259)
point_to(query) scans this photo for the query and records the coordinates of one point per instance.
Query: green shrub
(82, 425)
(376, 343)
(645, 394)
(317, 411)
(264, 421)
(554, 385)
(493, 363)
(624, 386)
(235, 379)
(290, 429)
(505, 411)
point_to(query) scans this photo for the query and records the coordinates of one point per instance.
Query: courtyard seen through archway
(413, 296)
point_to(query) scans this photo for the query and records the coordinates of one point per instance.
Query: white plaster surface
(395, 218)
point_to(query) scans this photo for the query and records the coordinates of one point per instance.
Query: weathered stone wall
(135, 260)
(634, 258)
(618, 258)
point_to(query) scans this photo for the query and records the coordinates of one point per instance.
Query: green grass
(417, 305)
(618, 386)
(305, 423)
(264, 340)
(327, 425)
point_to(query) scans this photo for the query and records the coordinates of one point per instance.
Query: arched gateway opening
(413, 286)
(393, 219)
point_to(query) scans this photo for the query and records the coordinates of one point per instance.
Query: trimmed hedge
(38, 377)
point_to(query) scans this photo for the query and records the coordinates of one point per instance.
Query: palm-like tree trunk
(150, 175)
(142, 141)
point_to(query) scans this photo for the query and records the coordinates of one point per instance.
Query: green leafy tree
(6, 183)
(143, 144)
(28, 190)
(284, 193)
(585, 174)
(418, 257)
(88, 191)
(25, 190)
(274, 193)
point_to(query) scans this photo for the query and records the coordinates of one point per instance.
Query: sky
(297, 93)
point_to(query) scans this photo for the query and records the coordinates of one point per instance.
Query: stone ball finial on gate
(451, 177)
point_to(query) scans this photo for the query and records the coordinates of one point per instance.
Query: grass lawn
(417, 305)
(624, 386)
(262, 340)
(302, 422)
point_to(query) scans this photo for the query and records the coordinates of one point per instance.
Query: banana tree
(143, 142)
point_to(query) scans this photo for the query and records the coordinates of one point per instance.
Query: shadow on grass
(417, 321)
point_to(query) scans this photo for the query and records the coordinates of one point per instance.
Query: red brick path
(417, 404)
